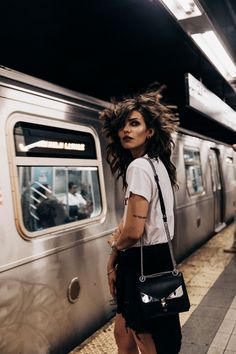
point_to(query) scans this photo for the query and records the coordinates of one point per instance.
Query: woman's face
(135, 134)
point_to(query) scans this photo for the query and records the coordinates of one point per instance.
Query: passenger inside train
(79, 207)
(40, 208)
(49, 210)
(39, 201)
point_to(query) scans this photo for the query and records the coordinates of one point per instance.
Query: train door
(217, 189)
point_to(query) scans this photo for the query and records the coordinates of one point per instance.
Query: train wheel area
(210, 325)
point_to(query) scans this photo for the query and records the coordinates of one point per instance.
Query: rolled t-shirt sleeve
(139, 182)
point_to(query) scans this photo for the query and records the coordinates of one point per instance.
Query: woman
(138, 127)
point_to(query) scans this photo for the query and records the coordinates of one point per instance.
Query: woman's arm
(111, 264)
(111, 273)
(134, 224)
(127, 234)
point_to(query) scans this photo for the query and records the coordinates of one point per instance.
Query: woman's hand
(114, 237)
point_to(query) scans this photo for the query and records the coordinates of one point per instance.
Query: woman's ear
(151, 131)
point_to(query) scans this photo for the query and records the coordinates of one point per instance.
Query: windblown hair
(157, 116)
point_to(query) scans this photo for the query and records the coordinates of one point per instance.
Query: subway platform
(210, 325)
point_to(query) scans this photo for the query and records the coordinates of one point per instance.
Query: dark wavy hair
(158, 116)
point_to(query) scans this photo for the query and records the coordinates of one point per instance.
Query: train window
(230, 169)
(193, 171)
(229, 160)
(215, 172)
(59, 175)
(52, 196)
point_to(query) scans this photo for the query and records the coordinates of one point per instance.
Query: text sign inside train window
(35, 140)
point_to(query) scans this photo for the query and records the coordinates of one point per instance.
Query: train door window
(59, 176)
(215, 171)
(193, 170)
(230, 168)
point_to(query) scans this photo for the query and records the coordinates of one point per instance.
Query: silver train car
(53, 286)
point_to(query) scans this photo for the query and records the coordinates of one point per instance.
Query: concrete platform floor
(201, 270)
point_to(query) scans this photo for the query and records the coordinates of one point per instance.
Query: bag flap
(161, 286)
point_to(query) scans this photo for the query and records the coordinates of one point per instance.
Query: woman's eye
(135, 123)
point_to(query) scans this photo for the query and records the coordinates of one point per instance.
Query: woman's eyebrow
(133, 118)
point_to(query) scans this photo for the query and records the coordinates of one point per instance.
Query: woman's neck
(136, 153)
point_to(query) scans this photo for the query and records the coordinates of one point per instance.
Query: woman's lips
(127, 138)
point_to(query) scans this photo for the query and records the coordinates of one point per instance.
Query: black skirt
(166, 330)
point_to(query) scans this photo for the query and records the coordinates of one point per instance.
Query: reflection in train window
(193, 171)
(52, 196)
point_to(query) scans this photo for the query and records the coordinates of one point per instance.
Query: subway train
(53, 286)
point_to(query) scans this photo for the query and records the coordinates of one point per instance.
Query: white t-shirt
(141, 181)
(74, 199)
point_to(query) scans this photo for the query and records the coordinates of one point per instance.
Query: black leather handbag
(162, 293)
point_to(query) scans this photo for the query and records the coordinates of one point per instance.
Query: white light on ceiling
(212, 47)
(182, 9)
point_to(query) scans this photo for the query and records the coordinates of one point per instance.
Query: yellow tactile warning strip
(200, 271)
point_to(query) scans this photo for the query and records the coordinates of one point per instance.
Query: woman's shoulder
(140, 162)
(139, 169)
(143, 163)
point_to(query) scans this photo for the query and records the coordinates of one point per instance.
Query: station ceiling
(110, 48)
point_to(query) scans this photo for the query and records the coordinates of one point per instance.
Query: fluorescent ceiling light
(182, 9)
(212, 47)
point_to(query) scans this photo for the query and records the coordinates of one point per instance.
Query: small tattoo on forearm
(139, 216)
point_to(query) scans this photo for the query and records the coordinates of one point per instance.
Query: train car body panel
(192, 226)
(203, 203)
(53, 280)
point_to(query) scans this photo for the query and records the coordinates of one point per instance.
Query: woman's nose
(126, 129)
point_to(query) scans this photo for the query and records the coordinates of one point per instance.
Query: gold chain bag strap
(162, 293)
